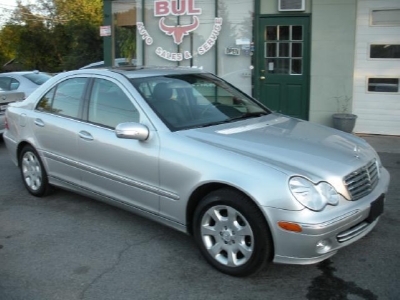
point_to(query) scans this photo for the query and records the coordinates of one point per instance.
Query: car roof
(140, 71)
(22, 72)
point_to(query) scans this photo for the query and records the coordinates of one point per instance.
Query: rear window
(38, 79)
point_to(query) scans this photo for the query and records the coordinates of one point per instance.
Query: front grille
(362, 181)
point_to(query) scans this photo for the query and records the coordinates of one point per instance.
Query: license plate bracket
(376, 209)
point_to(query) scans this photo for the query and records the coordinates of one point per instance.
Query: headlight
(313, 196)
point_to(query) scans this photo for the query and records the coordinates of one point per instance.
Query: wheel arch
(204, 190)
(21, 146)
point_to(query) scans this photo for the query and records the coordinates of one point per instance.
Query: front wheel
(232, 233)
(33, 173)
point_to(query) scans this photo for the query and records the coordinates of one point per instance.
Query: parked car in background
(193, 152)
(7, 97)
(23, 81)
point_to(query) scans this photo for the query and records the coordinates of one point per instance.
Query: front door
(282, 71)
(123, 170)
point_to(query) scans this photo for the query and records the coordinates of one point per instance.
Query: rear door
(54, 123)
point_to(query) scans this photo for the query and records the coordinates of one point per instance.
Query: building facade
(305, 58)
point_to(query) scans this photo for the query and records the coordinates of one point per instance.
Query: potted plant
(343, 120)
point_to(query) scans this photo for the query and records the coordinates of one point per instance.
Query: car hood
(290, 145)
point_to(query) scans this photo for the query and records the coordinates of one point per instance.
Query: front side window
(109, 105)
(65, 99)
(196, 100)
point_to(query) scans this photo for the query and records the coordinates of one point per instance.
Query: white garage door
(376, 92)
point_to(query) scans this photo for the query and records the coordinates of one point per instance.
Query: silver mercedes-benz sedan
(187, 149)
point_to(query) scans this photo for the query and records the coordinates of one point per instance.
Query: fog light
(323, 246)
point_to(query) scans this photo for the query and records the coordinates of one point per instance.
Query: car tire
(232, 233)
(33, 173)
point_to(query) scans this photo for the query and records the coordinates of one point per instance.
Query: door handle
(86, 136)
(39, 122)
(262, 77)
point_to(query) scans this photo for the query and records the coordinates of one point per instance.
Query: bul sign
(163, 9)
(185, 7)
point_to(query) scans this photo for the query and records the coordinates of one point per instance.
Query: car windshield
(37, 78)
(196, 100)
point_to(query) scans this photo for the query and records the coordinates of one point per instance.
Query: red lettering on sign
(175, 8)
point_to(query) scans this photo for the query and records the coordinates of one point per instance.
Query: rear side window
(65, 99)
(37, 78)
(8, 83)
(14, 84)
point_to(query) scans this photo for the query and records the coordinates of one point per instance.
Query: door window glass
(68, 97)
(284, 32)
(46, 102)
(284, 49)
(65, 99)
(271, 49)
(109, 105)
(297, 33)
(271, 33)
(296, 66)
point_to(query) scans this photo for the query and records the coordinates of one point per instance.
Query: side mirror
(134, 131)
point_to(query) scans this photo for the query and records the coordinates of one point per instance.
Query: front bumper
(332, 229)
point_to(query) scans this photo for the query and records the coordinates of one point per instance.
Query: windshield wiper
(215, 123)
(250, 115)
(229, 120)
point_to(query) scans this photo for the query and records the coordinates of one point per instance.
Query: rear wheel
(232, 233)
(33, 173)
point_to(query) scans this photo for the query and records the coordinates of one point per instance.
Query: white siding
(378, 113)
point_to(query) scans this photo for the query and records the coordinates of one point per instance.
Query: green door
(282, 71)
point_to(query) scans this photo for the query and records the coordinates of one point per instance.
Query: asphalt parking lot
(69, 247)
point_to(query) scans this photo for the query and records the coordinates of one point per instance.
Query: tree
(53, 35)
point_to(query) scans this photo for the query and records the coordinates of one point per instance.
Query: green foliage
(126, 42)
(53, 35)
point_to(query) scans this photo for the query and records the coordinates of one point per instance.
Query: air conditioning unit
(291, 5)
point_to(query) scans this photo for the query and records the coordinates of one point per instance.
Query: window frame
(381, 9)
(381, 59)
(384, 92)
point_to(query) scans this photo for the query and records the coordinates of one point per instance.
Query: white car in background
(7, 97)
(23, 81)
